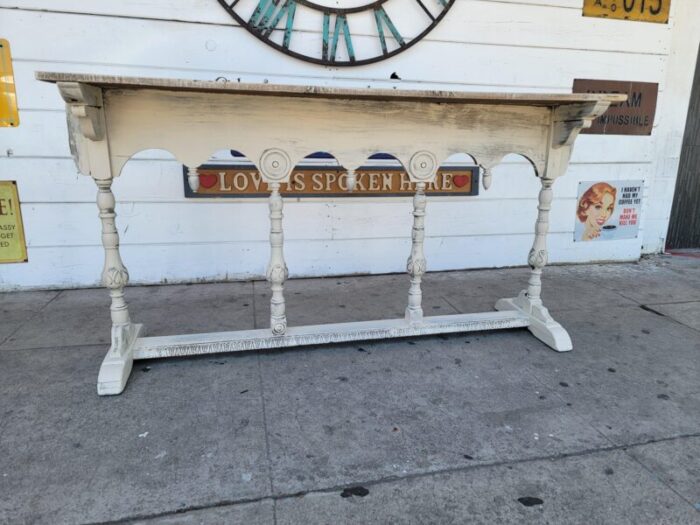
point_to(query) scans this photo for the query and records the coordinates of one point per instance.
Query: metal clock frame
(341, 11)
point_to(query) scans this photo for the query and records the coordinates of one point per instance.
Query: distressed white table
(111, 118)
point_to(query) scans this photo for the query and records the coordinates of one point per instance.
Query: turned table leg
(116, 366)
(416, 265)
(277, 272)
(537, 258)
(529, 301)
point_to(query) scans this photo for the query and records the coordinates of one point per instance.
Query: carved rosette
(277, 273)
(275, 165)
(416, 267)
(279, 327)
(537, 258)
(423, 166)
(115, 277)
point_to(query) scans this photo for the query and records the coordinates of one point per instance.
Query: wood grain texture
(319, 92)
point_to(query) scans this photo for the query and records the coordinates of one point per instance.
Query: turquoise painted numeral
(269, 13)
(382, 19)
(330, 46)
(444, 3)
(255, 17)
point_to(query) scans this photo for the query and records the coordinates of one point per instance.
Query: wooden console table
(112, 118)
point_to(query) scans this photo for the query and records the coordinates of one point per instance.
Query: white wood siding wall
(482, 45)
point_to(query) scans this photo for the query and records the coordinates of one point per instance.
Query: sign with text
(608, 210)
(638, 10)
(635, 116)
(246, 181)
(9, 116)
(13, 247)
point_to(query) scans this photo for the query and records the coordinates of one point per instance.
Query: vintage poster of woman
(608, 210)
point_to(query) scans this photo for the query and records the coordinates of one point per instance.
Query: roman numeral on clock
(382, 19)
(330, 44)
(443, 3)
(380, 32)
(269, 13)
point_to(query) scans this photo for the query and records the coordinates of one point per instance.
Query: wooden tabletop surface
(279, 90)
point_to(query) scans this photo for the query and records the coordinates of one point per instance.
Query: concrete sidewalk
(477, 428)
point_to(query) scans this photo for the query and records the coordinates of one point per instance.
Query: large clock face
(339, 32)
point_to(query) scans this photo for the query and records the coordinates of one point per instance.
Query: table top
(279, 90)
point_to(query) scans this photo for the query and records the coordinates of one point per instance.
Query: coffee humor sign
(608, 210)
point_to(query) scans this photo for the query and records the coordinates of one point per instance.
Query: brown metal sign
(245, 181)
(632, 117)
(638, 10)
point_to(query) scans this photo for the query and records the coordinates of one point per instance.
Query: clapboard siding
(200, 10)
(161, 263)
(484, 20)
(483, 45)
(151, 223)
(161, 181)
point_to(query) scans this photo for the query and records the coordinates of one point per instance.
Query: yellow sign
(639, 10)
(9, 117)
(13, 247)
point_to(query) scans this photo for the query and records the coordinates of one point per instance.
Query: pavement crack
(31, 318)
(453, 306)
(396, 478)
(674, 302)
(647, 308)
(654, 476)
(267, 435)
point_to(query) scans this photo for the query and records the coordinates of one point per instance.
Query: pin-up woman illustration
(595, 207)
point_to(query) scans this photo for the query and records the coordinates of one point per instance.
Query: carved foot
(117, 364)
(542, 326)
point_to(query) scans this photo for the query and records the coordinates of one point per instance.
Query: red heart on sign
(460, 180)
(208, 180)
